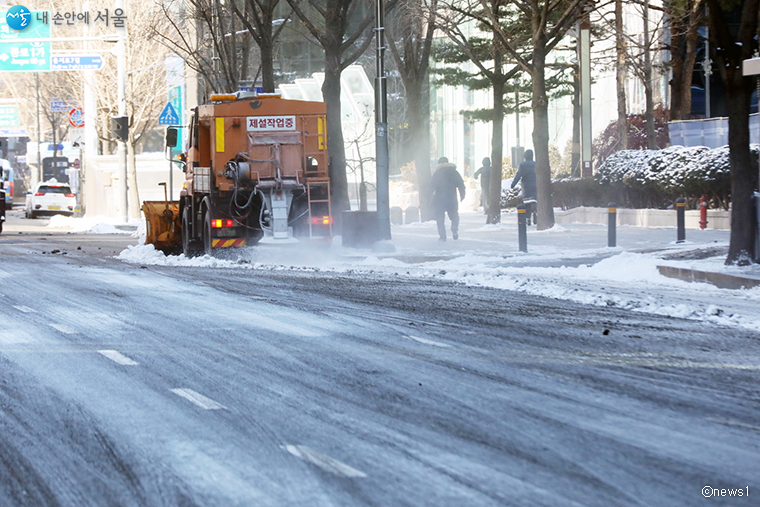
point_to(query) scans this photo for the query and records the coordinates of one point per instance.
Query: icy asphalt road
(124, 384)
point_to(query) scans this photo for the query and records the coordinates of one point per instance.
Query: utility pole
(88, 201)
(381, 129)
(707, 66)
(584, 60)
(37, 177)
(121, 73)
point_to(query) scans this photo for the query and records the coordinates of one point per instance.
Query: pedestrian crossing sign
(168, 116)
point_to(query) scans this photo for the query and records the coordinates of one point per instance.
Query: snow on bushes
(655, 178)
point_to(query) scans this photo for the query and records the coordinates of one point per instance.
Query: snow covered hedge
(653, 179)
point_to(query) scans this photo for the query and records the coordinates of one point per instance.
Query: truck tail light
(39, 193)
(69, 195)
(220, 223)
(326, 220)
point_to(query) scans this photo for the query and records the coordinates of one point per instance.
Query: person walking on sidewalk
(446, 181)
(485, 182)
(526, 172)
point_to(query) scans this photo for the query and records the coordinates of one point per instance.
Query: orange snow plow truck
(256, 170)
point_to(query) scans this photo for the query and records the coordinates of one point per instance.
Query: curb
(720, 280)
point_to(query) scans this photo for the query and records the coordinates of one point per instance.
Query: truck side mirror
(171, 137)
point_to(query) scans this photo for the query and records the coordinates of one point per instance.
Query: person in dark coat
(526, 172)
(485, 182)
(446, 181)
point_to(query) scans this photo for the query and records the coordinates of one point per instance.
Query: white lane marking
(25, 309)
(322, 461)
(63, 329)
(198, 399)
(118, 357)
(429, 342)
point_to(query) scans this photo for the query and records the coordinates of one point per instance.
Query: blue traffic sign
(76, 62)
(13, 132)
(59, 106)
(168, 116)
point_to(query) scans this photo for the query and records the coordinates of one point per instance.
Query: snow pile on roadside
(148, 255)
(93, 225)
(627, 280)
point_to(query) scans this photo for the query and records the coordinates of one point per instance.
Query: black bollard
(522, 228)
(681, 219)
(612, 224)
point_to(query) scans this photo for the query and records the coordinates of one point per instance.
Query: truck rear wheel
(189, 244)
(207, 248)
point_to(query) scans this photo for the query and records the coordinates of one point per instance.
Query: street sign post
(25, 56)
(77, 62)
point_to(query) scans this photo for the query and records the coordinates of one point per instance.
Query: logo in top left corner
(18, 17)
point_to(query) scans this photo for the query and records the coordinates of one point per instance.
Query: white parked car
(50, 198)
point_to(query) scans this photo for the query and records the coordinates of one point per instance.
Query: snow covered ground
(568, 262)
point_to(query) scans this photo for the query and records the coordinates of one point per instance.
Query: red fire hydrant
(703, 212)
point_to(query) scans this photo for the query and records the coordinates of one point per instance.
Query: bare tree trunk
(497, 138)
(684, 38)
(692, 38)
(418, 111)
(497, 154)
(337, 149)
(744, 175)
(133, 195)
(731, 50)
(415, 26)
(342, 48)
(267, 67)
(620, 77)
(677, 75)
(541, 137)
(648, 92)
(575, 158)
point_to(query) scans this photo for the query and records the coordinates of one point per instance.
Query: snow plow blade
(162, 225)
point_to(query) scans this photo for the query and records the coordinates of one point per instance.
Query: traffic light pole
(381, 130)
(37, 177)
(121, 74)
